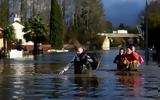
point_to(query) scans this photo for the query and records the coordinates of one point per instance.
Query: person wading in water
(121, 60)
(83, 61)
(133, 60)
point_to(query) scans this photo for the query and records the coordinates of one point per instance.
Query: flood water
(39, 79)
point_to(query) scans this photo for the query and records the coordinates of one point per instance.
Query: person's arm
(115, 60)
(135, 57)
(88, 58)
(126, 62)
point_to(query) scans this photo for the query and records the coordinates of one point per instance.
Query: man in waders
(83, 61)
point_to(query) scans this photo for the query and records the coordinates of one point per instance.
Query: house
(18, 27)
(28, 46)
(121, 31)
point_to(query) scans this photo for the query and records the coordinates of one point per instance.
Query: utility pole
(146, 34)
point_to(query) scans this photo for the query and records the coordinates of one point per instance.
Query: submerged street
(29, 79)
(55, 30)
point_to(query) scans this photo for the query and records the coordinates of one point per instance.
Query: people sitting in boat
(133, 59)
(121, 60)
(82, 61)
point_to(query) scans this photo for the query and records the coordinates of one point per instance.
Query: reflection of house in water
(133, 82)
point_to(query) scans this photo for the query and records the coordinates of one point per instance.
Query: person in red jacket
(133, 59)
(140, 59)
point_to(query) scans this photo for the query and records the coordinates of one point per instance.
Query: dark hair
(130, 47)
(121, 49)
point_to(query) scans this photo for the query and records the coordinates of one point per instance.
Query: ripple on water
(34, 79)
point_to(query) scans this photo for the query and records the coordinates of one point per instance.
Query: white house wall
(19, 33)
(1, 43)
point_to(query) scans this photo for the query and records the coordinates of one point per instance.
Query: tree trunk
(35, 49)
(4, 46)
(4, 13)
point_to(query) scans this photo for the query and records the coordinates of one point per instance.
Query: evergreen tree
(4, 13)
(153, 25)
(121, 26)
(56, 25)
(152, 16)
(8, 37)
(23, 10)
(35, 31)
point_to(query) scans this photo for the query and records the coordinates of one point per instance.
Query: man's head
(129, 50)
(79, 50)
(121, 51)
(133, 48)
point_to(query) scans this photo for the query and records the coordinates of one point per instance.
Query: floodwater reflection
(86, 86)
(132, 81)
(31, 79)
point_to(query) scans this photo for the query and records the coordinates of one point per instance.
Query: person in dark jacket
(121, 60)
(82, 61)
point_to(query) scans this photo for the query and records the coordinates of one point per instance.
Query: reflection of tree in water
(133, 81)
(86, 86)
(5, 81)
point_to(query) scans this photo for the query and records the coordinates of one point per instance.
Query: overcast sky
(123, 11)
